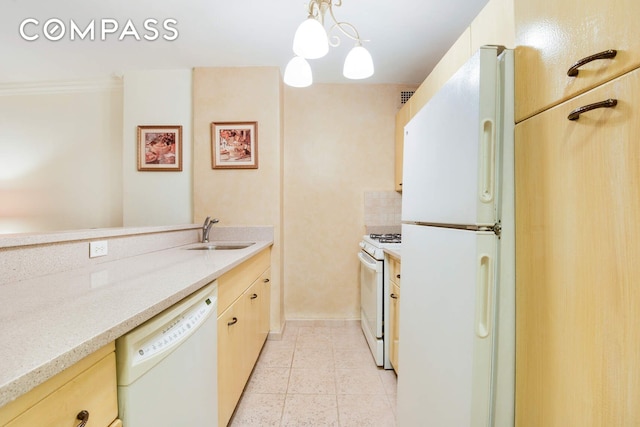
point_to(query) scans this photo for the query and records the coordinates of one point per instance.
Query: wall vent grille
(405, 95)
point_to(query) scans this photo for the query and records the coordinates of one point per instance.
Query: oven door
(371, 292)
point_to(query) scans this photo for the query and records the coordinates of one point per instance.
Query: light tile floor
(319, 374)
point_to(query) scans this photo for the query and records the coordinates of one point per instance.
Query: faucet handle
(215, 221)
(206, 221)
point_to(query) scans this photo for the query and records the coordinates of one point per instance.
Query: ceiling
(407, 37)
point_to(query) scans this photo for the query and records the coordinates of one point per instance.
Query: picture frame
(234, 145)
(160, 148)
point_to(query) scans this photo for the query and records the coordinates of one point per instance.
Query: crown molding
(59, 87)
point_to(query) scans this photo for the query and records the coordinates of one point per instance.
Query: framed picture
(234, 145)
(160, 148)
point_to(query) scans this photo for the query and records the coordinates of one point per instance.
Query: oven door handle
(364, 259)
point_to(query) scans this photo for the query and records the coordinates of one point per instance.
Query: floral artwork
(234, 145)
(159, 148)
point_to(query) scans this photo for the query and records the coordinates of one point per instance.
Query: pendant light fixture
(311, 41)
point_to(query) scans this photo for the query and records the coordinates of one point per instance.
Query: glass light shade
(298, 73)
(310, 40)
(358, 64)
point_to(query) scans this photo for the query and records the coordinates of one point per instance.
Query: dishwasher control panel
(174, 332)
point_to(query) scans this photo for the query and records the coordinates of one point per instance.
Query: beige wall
(339, 143)
(241, 196)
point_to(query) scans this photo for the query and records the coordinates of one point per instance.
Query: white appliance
(167, 367)
(457, 344)
(374, 305)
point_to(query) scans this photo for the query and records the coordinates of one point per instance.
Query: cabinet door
(552, 35)
(253, 298)
(394, 318)
(231, 366)
(265, 307)
(577, 268)
(257, 300)
(394, 270)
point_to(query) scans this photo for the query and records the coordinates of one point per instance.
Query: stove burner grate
(387, 238)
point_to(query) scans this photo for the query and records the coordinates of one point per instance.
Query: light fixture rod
(318, 9)
(312, 41)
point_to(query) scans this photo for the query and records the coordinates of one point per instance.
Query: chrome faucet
(206, 228)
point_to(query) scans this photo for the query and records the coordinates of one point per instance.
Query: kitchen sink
(221, 246)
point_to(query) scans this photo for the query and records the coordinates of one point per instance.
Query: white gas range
(374, 244)
(374, 304)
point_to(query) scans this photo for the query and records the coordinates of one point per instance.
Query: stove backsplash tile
(382, 211)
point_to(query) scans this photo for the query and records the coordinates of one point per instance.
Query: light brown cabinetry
(89, 385)
(552, 35)
(394, 312)
(577, 252)
(257, 299)
(402, 118)
(243, 326)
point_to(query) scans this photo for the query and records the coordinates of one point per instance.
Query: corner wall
(240, 197)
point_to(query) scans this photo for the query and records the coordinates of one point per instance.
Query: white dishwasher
(167, 367)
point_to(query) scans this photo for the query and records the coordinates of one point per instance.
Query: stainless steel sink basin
(221, 246)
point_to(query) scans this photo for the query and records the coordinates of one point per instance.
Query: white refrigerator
(457, 310)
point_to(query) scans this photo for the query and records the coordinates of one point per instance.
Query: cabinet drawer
(233, 283)
(94, 390)
(394, 270)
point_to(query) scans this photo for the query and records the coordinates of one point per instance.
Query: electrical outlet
(97, 249)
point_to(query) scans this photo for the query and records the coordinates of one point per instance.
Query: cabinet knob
(266, 280)
(397, 276)
(254, 296)
(84, 417)
(608, 103)
(607, 54)
(394, 296)
(233, 321)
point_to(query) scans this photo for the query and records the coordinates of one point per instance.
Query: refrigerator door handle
(484, 296)
(488, 161)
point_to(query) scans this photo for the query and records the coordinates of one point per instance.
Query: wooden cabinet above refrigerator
(552, 36)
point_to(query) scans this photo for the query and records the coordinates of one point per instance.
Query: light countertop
(51, 322)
